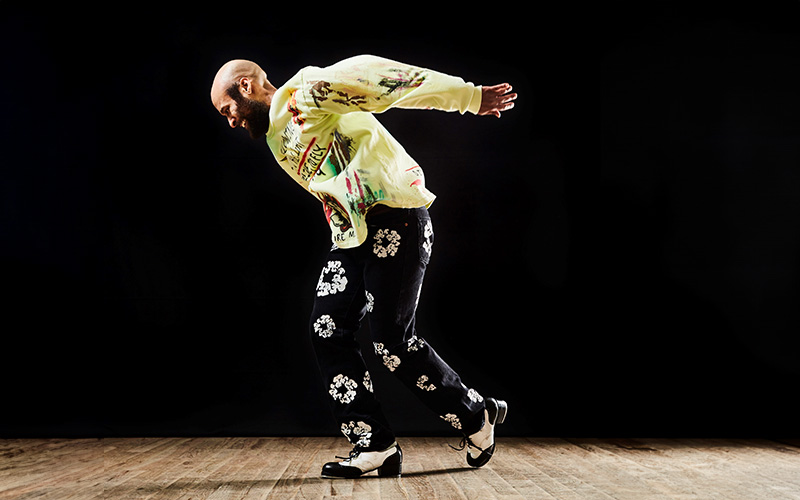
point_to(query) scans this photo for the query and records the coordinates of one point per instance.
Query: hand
(496, 99)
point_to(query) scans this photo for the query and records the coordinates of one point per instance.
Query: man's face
(241, 111)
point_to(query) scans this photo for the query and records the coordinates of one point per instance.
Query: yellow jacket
(323, 133)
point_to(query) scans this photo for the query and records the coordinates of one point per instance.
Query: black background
(618, 255)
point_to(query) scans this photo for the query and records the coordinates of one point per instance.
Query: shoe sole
(392, 466)
(396, 471)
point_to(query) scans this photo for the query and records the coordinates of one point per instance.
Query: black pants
(382, 280)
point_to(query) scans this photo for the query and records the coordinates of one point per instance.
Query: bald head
(232, 73)
(242, 93)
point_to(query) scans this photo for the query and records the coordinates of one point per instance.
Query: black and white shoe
(481, 445)
(388, 463)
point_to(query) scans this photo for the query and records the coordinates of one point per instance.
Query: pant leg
(339, 307)
(399, 247)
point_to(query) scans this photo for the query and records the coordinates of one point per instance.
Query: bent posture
(321, 128)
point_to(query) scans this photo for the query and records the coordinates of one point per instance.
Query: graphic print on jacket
(324, 134)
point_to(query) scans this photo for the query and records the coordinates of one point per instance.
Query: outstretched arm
(496, 99)
(375, 84)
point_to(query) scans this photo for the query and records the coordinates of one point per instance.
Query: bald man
(321, 128)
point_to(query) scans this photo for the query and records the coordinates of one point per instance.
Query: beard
(255, 113)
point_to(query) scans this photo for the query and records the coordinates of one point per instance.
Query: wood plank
(560, 470)
(62, 468)
(435, 460)
(422, 470)
(275, 467)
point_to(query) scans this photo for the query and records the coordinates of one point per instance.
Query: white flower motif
(324, 326)
(360, 430)
(343, 389)
(421, 383)
(337, 282)
(370, 301)
(428, 232)
(390, 361)
(368, 382)
(415, 343)
(392, 243)
(473, 395)
(452, 420)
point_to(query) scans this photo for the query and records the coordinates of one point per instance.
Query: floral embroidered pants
(382, 280)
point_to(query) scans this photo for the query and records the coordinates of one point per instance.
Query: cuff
(475, 102)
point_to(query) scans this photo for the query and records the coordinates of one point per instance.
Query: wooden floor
(524, 468)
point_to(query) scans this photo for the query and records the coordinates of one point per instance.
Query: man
(321, 128)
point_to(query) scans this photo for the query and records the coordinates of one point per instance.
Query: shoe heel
(502, 409)
(392, 466)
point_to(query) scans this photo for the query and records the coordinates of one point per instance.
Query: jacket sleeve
(374, 84)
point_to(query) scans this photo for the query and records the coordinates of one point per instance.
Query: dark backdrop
(616, 256)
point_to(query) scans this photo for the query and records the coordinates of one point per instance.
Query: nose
(233, 122)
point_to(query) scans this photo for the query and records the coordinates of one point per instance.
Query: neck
(269, 93)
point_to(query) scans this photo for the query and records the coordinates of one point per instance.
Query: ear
(246, 85)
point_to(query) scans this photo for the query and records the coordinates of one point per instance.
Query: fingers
(502, 108)
(504, 100)
(496, 99)
(502, 94)
(506, 106)
(502, 89)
